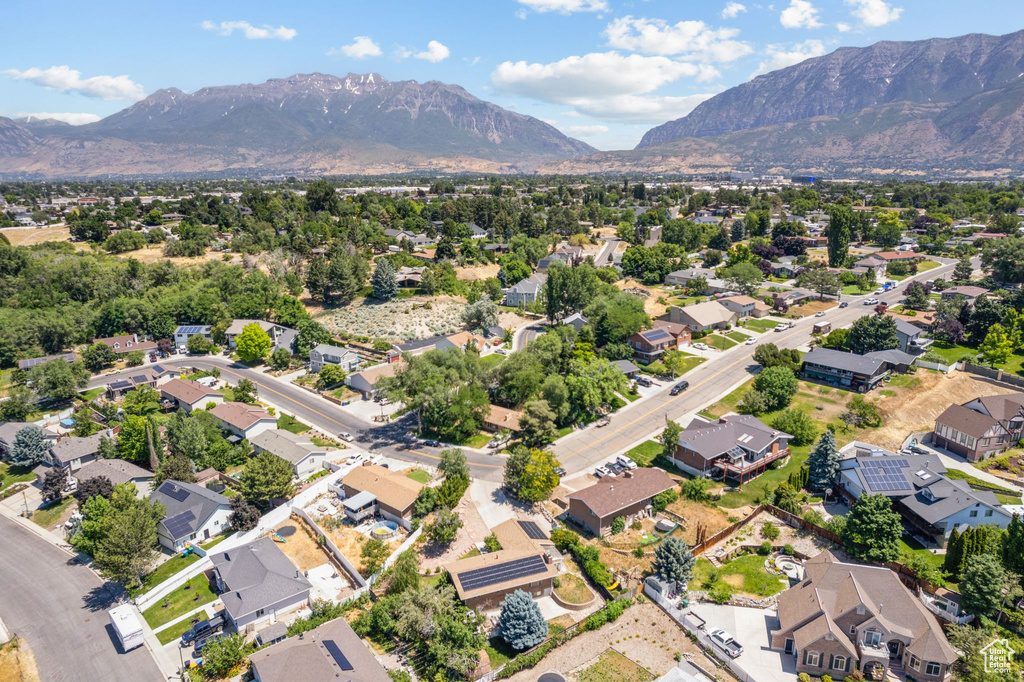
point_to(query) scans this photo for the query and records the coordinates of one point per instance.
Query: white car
(724, 641)
(345, 436)
(700, 346)
(782, 327)
(501, 351)
(751, 341)
(820, 313)
(871, 301)
(880, 290)
(626, 462)
(601, 472)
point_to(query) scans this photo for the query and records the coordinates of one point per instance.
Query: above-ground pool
(383, 530)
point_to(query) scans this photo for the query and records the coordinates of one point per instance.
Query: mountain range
(305, 124)
(944, 106)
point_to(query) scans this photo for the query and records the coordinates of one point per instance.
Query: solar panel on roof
(174, 492)
(158, 368)
(510, 570)
(179, 525)
(120, 384)
(339, 658)
(532, 530)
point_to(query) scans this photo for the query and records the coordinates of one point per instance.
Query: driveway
(61, 610)
(750, 627)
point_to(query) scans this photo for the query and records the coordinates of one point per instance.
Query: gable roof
(612, 494)
(257, 575)
(709, 313)
(238, 326)
(673, 328)
(240, 415)
(328, 349)
(500, 571)
(310, 658)
(393, 488)
(188, 505)
(286, 445)
(739, 300)
(70, 448)
(1002, 407)
(710, 439)
(966, 420)
(656, 336)
(503, 418)
(187, 391)
(117, 471)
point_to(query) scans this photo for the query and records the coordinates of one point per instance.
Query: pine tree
(383, 281)
(673, 561)
(1013, 546)
(962, 271)
(954, 551)
(823, 463)
(28, 448)
(521, 623)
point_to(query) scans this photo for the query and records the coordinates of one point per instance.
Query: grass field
(954, 353)
(913, 548)
(499, 652)
(759, 325)
(854, 290)
(172, 566)
(926, 265)
(492, 360)
(690, 363)
(743, 575)
(645, 453)
(175, 631)
(719, 342)
(418, 475)
(189, 596)
(92, 393)
(614, 667)
(10, 475)
(290, 423)
(49, 515)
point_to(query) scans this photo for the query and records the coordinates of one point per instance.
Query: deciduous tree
(266, 477)
(253, 343)
(873, 530)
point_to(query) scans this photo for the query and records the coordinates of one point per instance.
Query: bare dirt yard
(17, 664)
(28, 236)
(351, 543)
(651, 305)
(479, 272)
(811, 307)
(644, 634)
(300, 546)
(802, 541)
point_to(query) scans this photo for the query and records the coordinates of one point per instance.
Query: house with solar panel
(650, 344)
(29, 363)
(152, 376)
(328, 653)
(258, 583)
(194, 514)
(183, 333)
(526, 561)
(738, 447)
(930, 504)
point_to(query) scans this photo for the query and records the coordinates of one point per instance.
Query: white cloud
(572, 112)
(732, 9)
(843, 27)
(875, 13)
(565, 6)
(585, 131)
(360, 48)
(692, 39)
(66, 79)
(435, 52)
(73, 119)
(781, 56)
(605, 84)
(265, 32)
(402, 52)
(800, 14)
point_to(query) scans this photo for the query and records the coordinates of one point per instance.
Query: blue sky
(604, 71)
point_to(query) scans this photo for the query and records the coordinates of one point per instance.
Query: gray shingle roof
(711, 439)
(286, 445)
(195, 499)
(70, 448)
(848, 362)
(309, 659)
(258, 575)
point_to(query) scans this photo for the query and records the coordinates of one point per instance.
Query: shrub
(803, 677)
(765, 548)
(769, 530)
(696, 489)
(788, 550)
(618, 525)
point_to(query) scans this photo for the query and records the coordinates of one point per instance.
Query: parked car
(501, 351)
(601, 472)
(625, 462)
(679, 388)
(152, 357)
(724, 641)
(781, 327)
(431, 443)
(560, 471)
(844, 304)
(751, 341)
(345, 436)
(918, 450)
(615, 467)
(870, 301)
(820, 313)
(202, 629)
(643, 381)
(700, 346)
(603, 421)
(209, 639)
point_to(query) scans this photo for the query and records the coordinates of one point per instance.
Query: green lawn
(492, 360)
(914, 548)
(854, 290)
(177, 630)
(719, 342)
(499, 652)
(478, 441)
(759, 325)
(739, 337)
(744, 574)
(10, 475)
(290, 423)
(49, 515)
(926, 265)
(978, 484)
(419, 475)
(213, 542)
(645, 453)
(189, 596)
(92, 393)
(172, 566)
(470, 554)
(954, 353)
(564, 431)
(690, 363)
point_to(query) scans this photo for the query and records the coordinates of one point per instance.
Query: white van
(127, 626)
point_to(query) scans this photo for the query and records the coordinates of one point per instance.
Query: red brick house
(650, 344)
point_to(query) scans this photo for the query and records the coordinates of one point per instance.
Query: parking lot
(751, 627)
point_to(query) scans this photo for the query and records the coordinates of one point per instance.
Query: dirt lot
(155, 253)
(401, 319)
(17, 664)
(644, 634)
(351, 543)
(478, 271)
(713, 519)
(37, 235)
(811, 307)
(300, 546)
(651, 305)
(802, 541)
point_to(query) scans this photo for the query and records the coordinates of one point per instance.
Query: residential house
(894, 256)
(127, 343)
(418, 240)
(371, 490)
(650, 344)
(627, 495)
(409, 277)
(627, 368)
(872, 262)
(190, 395)
(29, 363)
(183, 333)
(844, 617)
(326, 653)
(910, 337)
(9, 431)
(981, 428)
(682, 278)
(117, 471)
(851, 371)
(153, 376)
(305, 457)
(365, 382)
(784, 300)
(280, 336)
(502, 419)
(703, 317)
(464, 341)
(737, 447)
(71, 452)
(194, 514)
(326, 354)
(577, 321)
(524, 562)
(968, 291)
(931, 504)
(745, 306)
(526, 291)
(476, 232)
(566, 255)
(244, 421)
(257, 582)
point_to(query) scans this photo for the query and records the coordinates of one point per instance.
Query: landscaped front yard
(718, 341)
(290, 423)
(10, 475)
(759, 324)
(645, 453)
(50, 515)
(164, 571)
(189, 596)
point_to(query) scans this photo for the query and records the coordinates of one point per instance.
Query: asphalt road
(60, 609)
